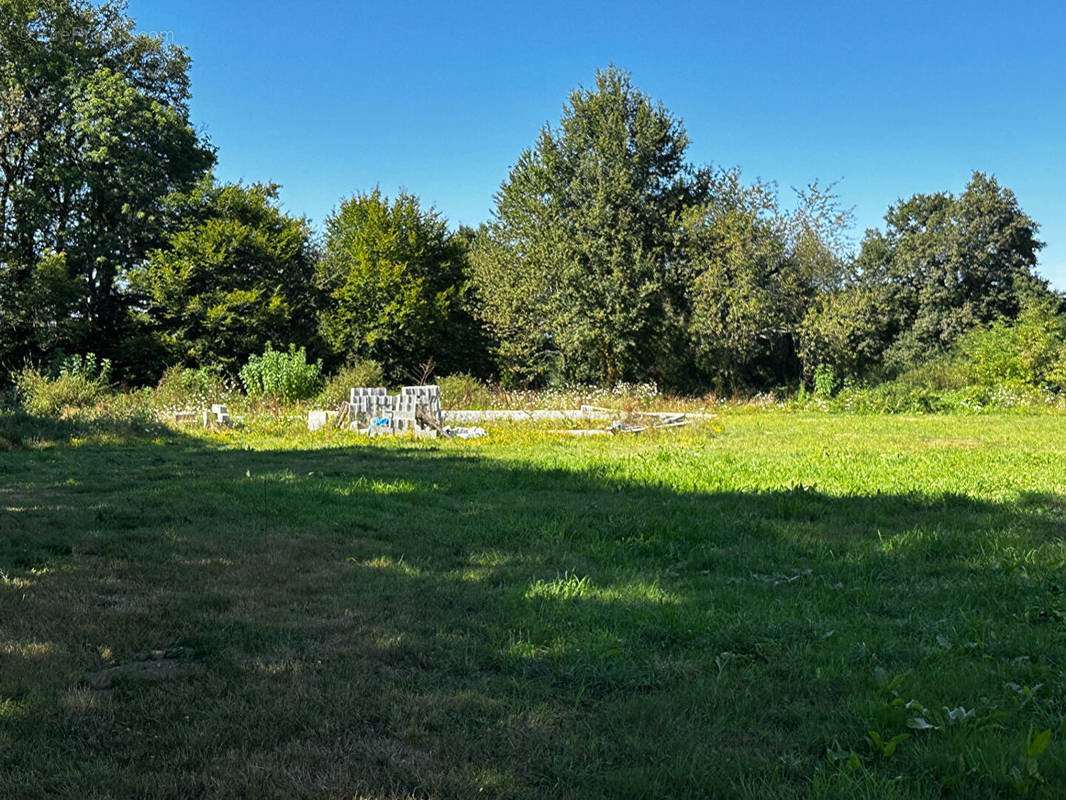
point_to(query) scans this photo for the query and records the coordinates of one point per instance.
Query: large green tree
(844, 328)
(396, 288)
(236, 272)
(945, 264)
(575, 270)
(751, 270)
(94, 133)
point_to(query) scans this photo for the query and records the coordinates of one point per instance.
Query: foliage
(282, 376)
(463, 390)
(359, 372)
(1007, 364)
(182, 388)
(397, 287)
(825, 381)
(944, 393)
(843, 328)
(1030, 350)
(74, 383)
(740, 287)
(35, 309)
(235, 273)
(94, 133)
(115, 419)
(946, 263)
(574, 267)
(750, 271)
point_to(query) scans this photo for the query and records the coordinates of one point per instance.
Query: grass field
(791, 605)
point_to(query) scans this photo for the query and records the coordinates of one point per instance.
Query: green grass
(735, 613)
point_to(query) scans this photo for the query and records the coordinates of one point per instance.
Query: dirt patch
(162, 665)
(963, 444)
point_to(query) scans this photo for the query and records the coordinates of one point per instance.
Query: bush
(825, 380)
(940, 374)
(282, 376)
(464, 391)
(894, 397)
(1030, 350)
(181, 388)
(74, 383)
(358, 373)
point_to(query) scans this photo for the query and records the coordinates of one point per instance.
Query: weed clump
(356, 373)
(282, 376)
(73, 384)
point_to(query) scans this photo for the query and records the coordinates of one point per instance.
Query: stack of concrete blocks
(401, 411)
(405, 413)
(366, 404)
(427, 400)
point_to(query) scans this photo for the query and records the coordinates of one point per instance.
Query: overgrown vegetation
(282, 376)
(358, 372)
(72, 384)
(182, 389)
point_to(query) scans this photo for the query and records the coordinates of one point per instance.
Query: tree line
(609, 256)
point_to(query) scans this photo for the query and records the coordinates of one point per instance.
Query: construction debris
(665, 417)
(464, 433)
(417, 411)
(656, 421)
(583, 414)
(218, 415)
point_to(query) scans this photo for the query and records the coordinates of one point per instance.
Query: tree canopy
(396, 287)
(94, 133)
(235, 273)
(608, 258)
(576, 264)
(945, 264)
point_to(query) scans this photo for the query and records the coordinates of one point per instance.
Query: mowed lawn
(759, 611)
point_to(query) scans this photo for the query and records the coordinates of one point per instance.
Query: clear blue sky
(331, 98)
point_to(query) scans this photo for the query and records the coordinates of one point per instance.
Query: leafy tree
(751, 272)
(575, 267)
(397, 289)
(845, 330)
(945, 264)
(1029, 350)
(94, 133)
(734, 257)
(236, 272)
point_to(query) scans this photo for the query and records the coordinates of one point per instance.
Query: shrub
(182, 388)
(282, 376)
(463, 390)
(1030, 350)
(825, 380)
(357, 373)
(894, 397)
(74, 383)
(940, 374)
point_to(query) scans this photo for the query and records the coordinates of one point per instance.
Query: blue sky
(332, 98)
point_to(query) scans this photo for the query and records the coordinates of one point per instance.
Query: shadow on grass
(20, 429)
(393, 622)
